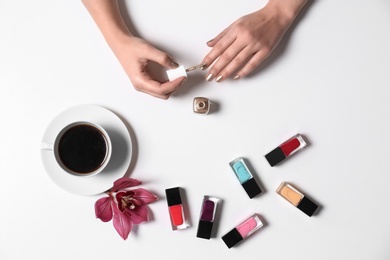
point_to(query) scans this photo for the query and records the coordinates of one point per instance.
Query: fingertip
(174, 64)
(163, 58)
(184, 80)
(163, 97)
(180, 81)
(166, 97)
(169, 87)
(210, 43)
(204, 65)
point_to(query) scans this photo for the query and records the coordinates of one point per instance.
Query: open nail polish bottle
(245, 177)
(242, 231)
(296, 198)
(175, 207)
(201, 105)
(207, 216)
(285, 150)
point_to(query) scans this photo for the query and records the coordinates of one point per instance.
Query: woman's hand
(241, 47)
(135, 54)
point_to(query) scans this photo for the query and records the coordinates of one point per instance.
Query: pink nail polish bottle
(242, 231)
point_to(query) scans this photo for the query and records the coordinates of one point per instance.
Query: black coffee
(82, 149)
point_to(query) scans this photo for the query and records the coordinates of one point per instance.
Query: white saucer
(120, 158)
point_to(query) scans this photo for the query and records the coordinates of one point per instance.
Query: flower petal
(122, 223)
(138, 215)
(103, 209)
(144, 196)
(124, 183)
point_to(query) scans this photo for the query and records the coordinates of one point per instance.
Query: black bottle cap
(307, 206)
(204, 229)
(232, 238)
(251, 188)
(173, 196)
(275, 156)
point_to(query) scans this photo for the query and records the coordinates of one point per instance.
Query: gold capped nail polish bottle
(201, 105)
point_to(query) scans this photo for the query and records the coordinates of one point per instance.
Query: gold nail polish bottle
(201, 105)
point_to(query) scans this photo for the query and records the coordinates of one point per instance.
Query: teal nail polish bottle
(245, 177)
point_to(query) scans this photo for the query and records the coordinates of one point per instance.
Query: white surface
(121, 146)
(329, 80)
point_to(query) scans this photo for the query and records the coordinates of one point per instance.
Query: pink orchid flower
(125, 207)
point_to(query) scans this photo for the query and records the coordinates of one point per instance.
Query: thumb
(162, 58)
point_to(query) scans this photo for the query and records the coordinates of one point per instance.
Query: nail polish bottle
(296, 198)
(175, 207)
(207, 216)
(285, 150)
(201, 105)
(242, 231)
(245, 177)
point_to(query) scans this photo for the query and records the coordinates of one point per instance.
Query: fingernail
(183, 81)
(174, 64)
(209, 41)
(219, 78)
(236, 77)
(203, 66)
(209, 77)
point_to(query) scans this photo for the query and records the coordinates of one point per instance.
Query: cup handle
(47, 146)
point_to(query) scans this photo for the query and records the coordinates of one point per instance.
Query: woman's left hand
(241, 47)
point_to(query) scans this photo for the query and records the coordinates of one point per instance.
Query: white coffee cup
(81, 148)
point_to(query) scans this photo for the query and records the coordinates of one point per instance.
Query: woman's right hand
(135, 54)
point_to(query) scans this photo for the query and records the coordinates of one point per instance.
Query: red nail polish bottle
(285, 150)
(175, 207)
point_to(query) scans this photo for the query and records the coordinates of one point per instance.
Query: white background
(329, 80)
